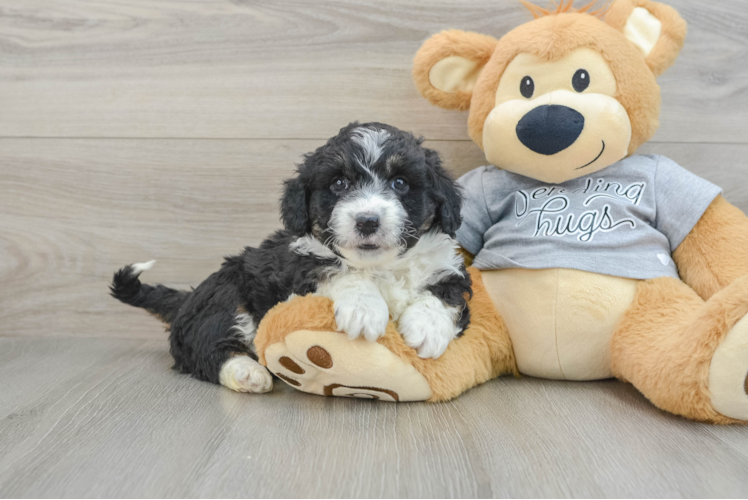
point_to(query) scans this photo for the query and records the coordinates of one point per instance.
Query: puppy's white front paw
(362, 315)
(428, 326)
(244, 374)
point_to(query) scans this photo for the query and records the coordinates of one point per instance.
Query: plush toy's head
(562, 96)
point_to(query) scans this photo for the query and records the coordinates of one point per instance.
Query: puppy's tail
(161, 301)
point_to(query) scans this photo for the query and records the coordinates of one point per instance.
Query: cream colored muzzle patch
(604, 139)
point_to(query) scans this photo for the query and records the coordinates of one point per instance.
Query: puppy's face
(370, 193)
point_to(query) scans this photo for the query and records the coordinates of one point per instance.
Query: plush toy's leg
(482, 353)
(715, 252)
(298, 342)
(687, 356)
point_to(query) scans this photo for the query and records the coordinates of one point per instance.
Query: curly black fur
(455, 291)
(203, 321)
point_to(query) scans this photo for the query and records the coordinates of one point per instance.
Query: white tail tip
(142, 266)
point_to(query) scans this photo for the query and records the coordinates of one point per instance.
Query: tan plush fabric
(664, 345)
(605, 117)
(560, 321)
(467, 256)
(728, 373)
(665, 342)
(552, 38)
(682, 347)
(715, 253)
(643, 30)
(471, 46)
(454, 74)
(672, 37)
(329, 364)
(482, 353)
(300, 313)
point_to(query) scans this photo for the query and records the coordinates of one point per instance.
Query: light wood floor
(141, 129)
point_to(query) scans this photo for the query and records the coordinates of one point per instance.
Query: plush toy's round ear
(448, 64)
(656, 29)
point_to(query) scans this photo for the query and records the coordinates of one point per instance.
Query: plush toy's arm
(467, 256)
(715, 252)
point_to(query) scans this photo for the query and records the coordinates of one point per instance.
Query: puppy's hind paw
(244, 374)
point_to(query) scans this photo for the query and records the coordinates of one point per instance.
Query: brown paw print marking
(319, 356)
(316, 354)
(288, 379)
(330, 389)
(290, 365)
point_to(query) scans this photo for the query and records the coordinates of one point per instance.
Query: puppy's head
(370, 193)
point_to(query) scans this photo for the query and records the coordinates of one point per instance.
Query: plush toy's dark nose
(367, 223)
(550, 129)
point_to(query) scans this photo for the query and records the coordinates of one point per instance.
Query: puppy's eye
(581, 80)
(527, 87)
(339, 185)
(399, 185)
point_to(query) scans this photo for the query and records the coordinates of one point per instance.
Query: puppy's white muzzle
(368, 225)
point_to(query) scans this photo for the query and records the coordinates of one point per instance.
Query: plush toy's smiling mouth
(596, 158)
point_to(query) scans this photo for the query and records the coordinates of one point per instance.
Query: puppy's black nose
(550, 129)
(367, 224)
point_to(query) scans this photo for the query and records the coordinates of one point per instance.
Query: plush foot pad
(728, 373)
(244, 374)
(330, 364)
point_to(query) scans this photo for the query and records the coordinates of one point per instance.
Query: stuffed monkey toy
(590, 261)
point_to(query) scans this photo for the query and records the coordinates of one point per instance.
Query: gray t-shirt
(624, 220)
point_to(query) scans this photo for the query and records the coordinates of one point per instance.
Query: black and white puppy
(369, 222)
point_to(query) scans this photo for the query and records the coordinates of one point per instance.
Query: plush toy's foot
(728, 373)
(297, 340)
(244, 374)
(330, 364)
(688, 356)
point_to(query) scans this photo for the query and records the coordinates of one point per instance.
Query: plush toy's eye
(581, 80)
(339, 185)
(399, 185)
(527, 87)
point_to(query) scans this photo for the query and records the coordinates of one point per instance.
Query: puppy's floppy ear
(295, 207)
(657, 30)
(448, 65)
(446, 194)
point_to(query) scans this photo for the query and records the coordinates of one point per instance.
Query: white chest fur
(403, 279)
(400, 280)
